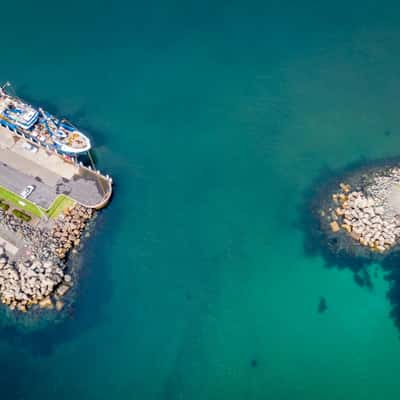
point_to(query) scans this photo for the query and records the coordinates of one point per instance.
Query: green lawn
(19, 202)
(58, 206)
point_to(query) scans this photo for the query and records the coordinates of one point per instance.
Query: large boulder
(62, 290)
(46, 303)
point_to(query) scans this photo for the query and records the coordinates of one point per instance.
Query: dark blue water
(213, 119)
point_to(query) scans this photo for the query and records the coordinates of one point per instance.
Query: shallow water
(213, 119)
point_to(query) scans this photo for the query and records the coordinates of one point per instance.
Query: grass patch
(19, 202)
(21, 215)
(4, 206)
(59, 205)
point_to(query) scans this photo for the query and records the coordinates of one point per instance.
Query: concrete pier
(51, 174)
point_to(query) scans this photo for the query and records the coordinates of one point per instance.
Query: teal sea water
(214, 118)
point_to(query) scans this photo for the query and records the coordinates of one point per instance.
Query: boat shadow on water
(338, 250)
(40, 332)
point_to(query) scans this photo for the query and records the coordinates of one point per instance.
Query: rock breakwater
(67, 230)
(369, 213)
(37, 274)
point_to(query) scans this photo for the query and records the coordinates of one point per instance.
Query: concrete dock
(49, 173)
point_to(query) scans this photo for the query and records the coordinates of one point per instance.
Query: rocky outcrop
(370, 216)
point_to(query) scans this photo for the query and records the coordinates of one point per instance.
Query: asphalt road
(16, 181)
(82, 188)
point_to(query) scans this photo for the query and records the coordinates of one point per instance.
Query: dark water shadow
(338, 250)
(391, 265)
(17, 376)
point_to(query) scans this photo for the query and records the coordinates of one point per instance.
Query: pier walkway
(49, 173)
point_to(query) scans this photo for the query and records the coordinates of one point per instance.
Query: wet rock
(59, 305)
(335, 226)
(46, 303)
(62, 290)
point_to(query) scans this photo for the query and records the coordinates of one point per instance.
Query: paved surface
(30, 168)
(45, 160)
(83, 188)
(9, 247)
(16, 181)
(49, 173)
(393, 199)
(12, 242)
(42, 158)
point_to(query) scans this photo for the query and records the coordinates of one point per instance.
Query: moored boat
(40, 126)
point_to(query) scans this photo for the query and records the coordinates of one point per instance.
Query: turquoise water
(214, 118)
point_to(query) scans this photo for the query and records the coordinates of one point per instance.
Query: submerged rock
(322, 306)
(59, 305)
(62, 290)
(46, 303)
(254, 363)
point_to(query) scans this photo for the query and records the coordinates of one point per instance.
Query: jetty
(51, 173)
(48, 196)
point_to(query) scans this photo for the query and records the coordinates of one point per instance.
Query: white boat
(40, 126)
(65, 136)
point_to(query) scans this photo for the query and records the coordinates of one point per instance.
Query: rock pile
(372, 215)
(39, 276)
(39, 240)
(67, 230)
(23, 284)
